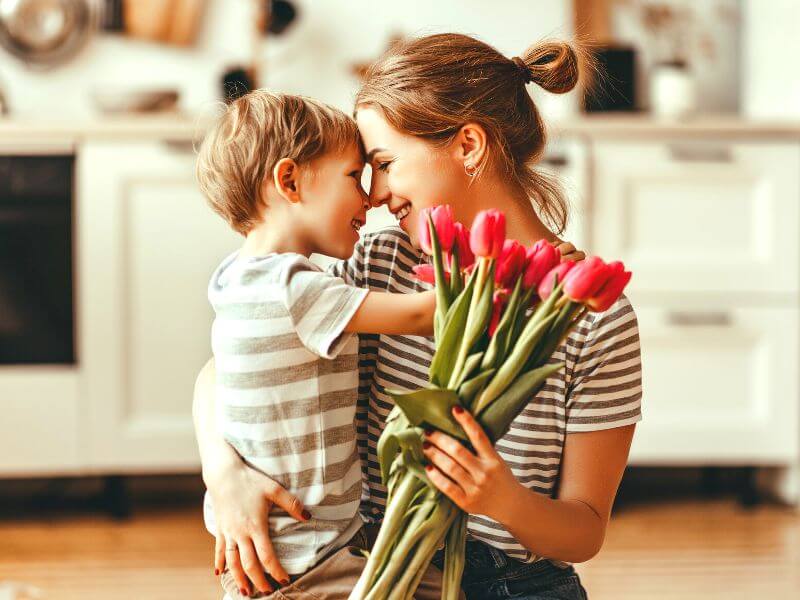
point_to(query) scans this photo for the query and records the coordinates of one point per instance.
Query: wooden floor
(681, 548)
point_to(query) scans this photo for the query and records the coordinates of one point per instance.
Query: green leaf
(456, 278)
(497, 417)
(472, 363)
(454, 557)
(442, 288)
(515, 363)
(451, 333)
(478, 319)
(472, 387)
(429, 406)
(497, 346)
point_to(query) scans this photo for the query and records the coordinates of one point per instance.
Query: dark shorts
(490, 574)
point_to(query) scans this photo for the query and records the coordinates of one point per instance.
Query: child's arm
(395, 314)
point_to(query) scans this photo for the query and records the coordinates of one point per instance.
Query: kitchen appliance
(613, 85)
(37, 320)
(45, 32)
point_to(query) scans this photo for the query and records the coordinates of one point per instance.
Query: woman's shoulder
(618, 319)
(390, 243)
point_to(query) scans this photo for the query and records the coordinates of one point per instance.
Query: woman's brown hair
(431, 86)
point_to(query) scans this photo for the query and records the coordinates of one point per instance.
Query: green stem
(392, 522)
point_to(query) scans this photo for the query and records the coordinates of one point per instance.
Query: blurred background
(684, 162)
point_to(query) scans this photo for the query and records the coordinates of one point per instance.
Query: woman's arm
(395, 314)
(569, 528)
(242, 498)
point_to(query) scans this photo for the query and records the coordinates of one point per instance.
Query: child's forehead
(354, 152)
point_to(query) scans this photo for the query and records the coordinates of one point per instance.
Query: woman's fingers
(447, 465)
(219, 554)
(269, 559)
(252, 566)
(278, 495)
(235, 568)
(477, 436)
(446, 485)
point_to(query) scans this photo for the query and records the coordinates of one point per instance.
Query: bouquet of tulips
(502, 310)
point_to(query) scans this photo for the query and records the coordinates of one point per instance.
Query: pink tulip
(427, 274)
(510, 263)
(586, 279)
(442, 217)
(542, 257)
(465, 256)
(548, 281)
(488, 233)
(499, 303)
(612, 289)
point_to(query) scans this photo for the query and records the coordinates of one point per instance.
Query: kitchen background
(684, 162)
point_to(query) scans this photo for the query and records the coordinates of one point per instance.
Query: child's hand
(568, 251)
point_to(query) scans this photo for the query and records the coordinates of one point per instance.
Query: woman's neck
(522, 222)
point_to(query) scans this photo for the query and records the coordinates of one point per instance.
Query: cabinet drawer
(720, 386)
(700, 216)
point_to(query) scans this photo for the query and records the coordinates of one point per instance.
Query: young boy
(285, 172)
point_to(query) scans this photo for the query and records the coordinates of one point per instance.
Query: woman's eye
(383, 166)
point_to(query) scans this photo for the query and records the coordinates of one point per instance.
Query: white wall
(314, 57)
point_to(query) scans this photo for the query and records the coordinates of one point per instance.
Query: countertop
(183, 128)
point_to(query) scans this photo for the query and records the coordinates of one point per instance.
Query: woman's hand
(476, 482)
(242, 498)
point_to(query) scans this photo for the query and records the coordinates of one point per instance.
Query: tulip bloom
(499, 303)
(426, 273)
(542, 257)
(510, 264)
(465, 256)
(548, 281)
(442, 217)
(488, 234)
(612, 289)
(586, 279)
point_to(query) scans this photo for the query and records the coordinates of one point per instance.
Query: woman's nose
(378, 192)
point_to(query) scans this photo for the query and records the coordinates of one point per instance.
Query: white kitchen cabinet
(148, 244)
(720, 385)
(711, 216)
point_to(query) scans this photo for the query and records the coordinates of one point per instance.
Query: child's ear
(286, 177)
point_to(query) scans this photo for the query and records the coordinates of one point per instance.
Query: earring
(470, 170)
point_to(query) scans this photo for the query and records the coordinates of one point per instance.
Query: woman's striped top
(600, 387)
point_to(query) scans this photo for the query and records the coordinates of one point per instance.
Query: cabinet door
(720, 386)
(700, 216)
(148, 244)
(567, 160)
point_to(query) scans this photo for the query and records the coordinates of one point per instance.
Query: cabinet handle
(699, 319)
(555, 160)
(700, 153)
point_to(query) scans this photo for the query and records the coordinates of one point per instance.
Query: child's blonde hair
(252, 135)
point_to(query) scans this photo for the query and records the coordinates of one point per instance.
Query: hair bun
(554, 66)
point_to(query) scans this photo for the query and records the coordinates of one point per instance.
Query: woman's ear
(471, 146)
(286, 177)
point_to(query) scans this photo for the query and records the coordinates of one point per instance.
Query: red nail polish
(429, 467)
(306, 514)
(243, 592)
(284, 582)
(428, 432)
(458, 410)
(216, 572)
(426, 445)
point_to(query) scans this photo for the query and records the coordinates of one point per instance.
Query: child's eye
(355, 175)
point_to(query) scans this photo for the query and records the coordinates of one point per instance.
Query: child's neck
(264, 239)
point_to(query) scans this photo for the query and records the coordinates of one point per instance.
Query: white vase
(672, 91)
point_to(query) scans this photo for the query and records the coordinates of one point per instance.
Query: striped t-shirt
(287, 379)
(599, 388)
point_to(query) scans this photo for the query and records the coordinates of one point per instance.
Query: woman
(447, 119)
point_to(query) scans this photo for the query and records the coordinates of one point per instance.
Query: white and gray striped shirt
(287, 380)
(599, 388)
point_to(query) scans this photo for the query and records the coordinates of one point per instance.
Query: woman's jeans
(490, 574)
